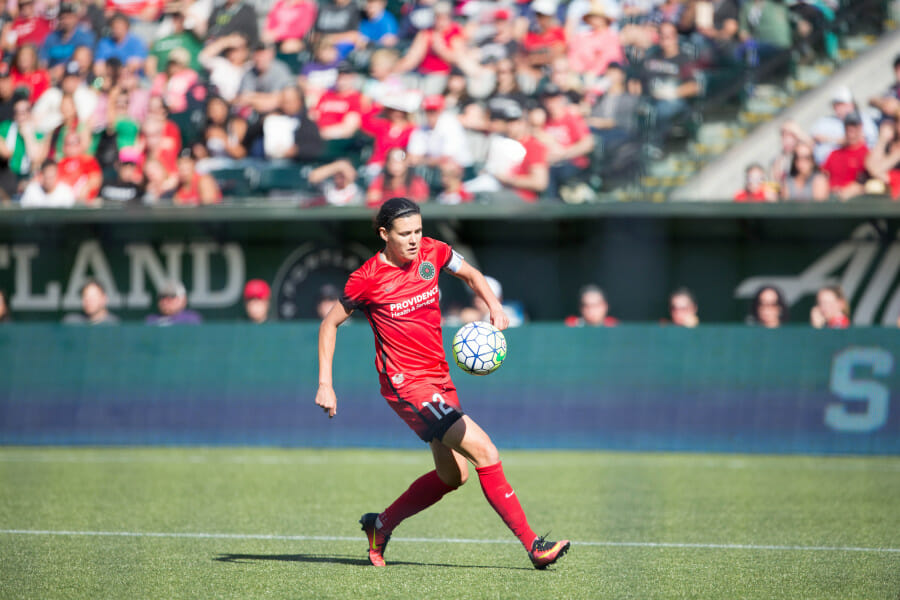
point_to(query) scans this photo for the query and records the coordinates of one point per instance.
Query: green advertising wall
(635, 387)
(541, 254)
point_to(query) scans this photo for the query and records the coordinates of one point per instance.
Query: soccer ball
(479, 348)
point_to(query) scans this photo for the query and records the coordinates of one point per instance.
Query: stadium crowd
(853, 150)
(768, 308)
(351, 102)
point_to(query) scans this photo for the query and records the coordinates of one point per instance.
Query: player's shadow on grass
(342, 560)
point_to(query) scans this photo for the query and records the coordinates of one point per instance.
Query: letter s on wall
(875, 394)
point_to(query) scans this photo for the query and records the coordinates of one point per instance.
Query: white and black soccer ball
(479, 348)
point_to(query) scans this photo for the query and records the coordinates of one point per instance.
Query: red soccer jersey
(403, 310)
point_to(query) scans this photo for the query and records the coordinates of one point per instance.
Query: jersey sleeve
(355, 289)
(446, 257)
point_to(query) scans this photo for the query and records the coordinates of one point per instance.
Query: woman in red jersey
(397, 291)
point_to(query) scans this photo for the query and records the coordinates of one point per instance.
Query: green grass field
(272, 523)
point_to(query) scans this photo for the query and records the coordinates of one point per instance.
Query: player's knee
(487, 454)
(453, 477)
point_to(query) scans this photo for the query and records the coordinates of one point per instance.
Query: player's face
(402, 239)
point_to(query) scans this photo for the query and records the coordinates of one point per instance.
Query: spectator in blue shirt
(69, 34)
(122, 44)
(172, 303)
(379, 26)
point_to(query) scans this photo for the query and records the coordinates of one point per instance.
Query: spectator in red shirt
(396, 180)
(593, 310)
(194, 188)
(144, 10)
(567, 136)
(545, 41)
(338, 113)
(846, 166)
(27, 28)
(156, 144)
(80, 171)
(288, 22)
(26, 73)
(756, 188)
(435, 51)
(394, 128)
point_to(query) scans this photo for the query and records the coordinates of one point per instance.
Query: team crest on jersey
(427, 270)
(397, 379)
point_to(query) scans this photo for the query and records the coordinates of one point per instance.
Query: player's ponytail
(395, 208)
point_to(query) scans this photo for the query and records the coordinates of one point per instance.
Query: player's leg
(451, 469)
(451, 466)
(450, 472)
(471, 441)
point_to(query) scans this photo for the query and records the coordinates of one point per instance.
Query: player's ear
(383, 233)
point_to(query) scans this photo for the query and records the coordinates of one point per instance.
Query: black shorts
(429, 407)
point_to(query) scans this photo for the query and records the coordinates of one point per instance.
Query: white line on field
(332, 538)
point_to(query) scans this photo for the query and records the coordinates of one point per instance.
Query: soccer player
(397, 291)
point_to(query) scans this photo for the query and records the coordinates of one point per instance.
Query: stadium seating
(738, 94)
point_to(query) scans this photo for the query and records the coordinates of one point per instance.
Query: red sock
(424, 491)
(502, 497)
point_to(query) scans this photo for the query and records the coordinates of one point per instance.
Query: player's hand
(499, 319)
(327, 400)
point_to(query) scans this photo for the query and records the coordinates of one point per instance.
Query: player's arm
(325, 396)
(475, 280)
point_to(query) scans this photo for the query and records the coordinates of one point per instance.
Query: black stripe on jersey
(384, 358)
